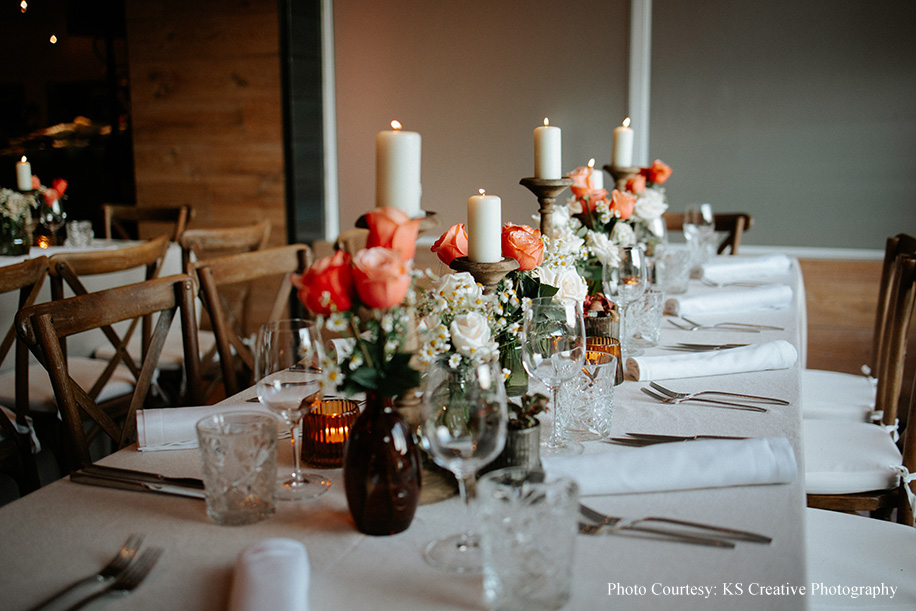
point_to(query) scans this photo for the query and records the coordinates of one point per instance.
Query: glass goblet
(623, 284)
(553, 351)
(287, 368)
(700, 231)
(463, 428)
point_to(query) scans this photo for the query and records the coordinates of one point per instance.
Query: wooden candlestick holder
(487, 274)
(429, 221)
(546, 190)
(621, 175)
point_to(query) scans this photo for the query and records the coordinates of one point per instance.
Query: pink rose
(622, 203)
(582, 181)
(451, 244)
(636, 183)
(523, 244)
(327, 286)
(392, 228)
(658, 173)
(381, 276)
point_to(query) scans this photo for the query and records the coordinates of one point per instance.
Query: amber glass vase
(381, 470)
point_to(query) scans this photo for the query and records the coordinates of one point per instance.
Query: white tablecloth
(65, 530)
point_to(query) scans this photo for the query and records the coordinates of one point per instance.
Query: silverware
(127, 581)
(728, 325)
(640, 440)
(708, 529)
(647, 532)
(143, 476)
(121, 482)
(712, 402)
(115, 567)
(685, 396)
(696, 327)
(745, 283)
(685, 347)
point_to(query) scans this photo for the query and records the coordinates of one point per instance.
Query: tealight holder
(325, 430)
(546, 190)
(621, 175)
(486, 274)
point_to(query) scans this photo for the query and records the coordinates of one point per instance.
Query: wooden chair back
(42, 326)
(126, 221)
(733, 224)
(901, 244)
(217, 242)
(215, 275)
(27, 278)
(352, 240)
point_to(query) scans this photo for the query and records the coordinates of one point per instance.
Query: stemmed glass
(624, 283)
(463, 428)
(553, 351)
(699, 230)
(52, 218)
(287, 368)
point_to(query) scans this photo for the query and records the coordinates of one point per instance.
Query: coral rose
(636, 183)
(392, 228)
(451, 244)
(622, 204)
(582, 181)
(381, 276)
(523, 244)
(327, 286)
(658, 173)
(36, 183)
(59, 185)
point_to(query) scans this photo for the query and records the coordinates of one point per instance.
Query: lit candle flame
(626, 122)
(23, 160)
(53, 39)
(546, 121)
(23, 6)
(591, 162)
(395, 125)
(482, 191)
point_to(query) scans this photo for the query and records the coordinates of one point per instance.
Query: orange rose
(36, 182)
(658, 173)
(636, 183)
(59, 185)
(592, 199)
(582, 181)
(622, 203)
(451, 244)
(381, 277)
(523, 244)
(327, 286)
(51, 196)
(392, 228)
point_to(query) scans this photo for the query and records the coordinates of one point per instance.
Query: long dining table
(65, 530)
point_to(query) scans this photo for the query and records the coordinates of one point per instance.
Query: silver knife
(135, 485)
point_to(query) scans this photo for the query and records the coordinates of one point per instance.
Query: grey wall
(801, 113)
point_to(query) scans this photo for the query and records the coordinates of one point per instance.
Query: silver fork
(657, 534)
(730, 325)
(695, 327)
(686, 396)
(127, 581)
(711, 402)
(115, 567)
(717, 531)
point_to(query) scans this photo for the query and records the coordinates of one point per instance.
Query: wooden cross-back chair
(215, 275)
(843, 457)
(125, 221)
(16, 448)
(44, 325)
(733, 224)
(217, 242)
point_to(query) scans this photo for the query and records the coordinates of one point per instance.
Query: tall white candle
(24, 174)
(623, 145)
(485, 223)
(596, 177)
(397, 169)
(547, 152)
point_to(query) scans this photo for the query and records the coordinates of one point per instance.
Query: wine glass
(553, 351)
(52, 217)
(463, 428)
(699, 230)
(624, 283)
(287, 368)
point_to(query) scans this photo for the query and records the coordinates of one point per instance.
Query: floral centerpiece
(51, 214)
(15, 214)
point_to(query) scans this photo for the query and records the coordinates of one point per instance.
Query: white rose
(470, 333)
(568, 283)
(460, 285)
(623, 235)
(602, 247)
(650, 205)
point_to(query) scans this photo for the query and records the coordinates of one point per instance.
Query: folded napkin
(271, 574)
(712, 463)
(736, 269)
(175, 428)
(777, 354)
(730, 300)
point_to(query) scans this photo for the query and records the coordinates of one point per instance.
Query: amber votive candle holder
(325, 430)
(608, 345)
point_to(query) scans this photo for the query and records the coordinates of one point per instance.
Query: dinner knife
(142, 476)
(137, 486)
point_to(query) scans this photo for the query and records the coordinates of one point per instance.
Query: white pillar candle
(485, 224)
(623, 145)
(397, 170)
(547, 152)
(596, 177)
(24, 174)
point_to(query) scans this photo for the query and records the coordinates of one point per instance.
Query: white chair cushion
(832, 395)
(849, 457)
(172, 355)
(851, 550)
(84, 370)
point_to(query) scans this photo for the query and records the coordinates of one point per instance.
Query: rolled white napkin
(777, 354)
(712, 463)
(175, 428)
(271, 574)
(736, 269)
(725, 301)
